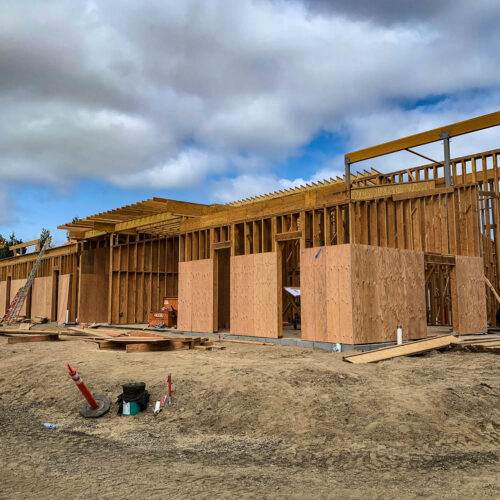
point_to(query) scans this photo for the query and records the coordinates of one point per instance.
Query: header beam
(454, 130)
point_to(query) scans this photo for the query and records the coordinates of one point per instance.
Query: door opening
(223, 274)
(290, 282)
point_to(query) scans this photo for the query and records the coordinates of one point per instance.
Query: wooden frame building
(368, 251)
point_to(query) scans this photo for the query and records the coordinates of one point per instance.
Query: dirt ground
(252, 421)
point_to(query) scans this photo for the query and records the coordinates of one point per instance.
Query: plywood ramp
(254, 295)
(196, 296)
(63, 300)
(471, 296)
(357, 294)
(14, 288)
(41, 297)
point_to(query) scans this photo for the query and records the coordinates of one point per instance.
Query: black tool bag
(133, 392)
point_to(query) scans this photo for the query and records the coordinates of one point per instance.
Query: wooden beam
(408, 349)
(455, 129)
(108, 227)
(369, 193)
(24, 245)
(221, 244)
(33, 338)
(292, 235)
(491, 287)
(53, 252)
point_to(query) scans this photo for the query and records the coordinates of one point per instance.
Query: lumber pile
(150, 344)
(471, 343)
(141, 341)
(45, 337)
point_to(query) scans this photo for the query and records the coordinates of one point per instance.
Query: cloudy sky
(110, 102)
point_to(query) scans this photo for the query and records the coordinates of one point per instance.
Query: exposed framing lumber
(491, 287)
(454, 130)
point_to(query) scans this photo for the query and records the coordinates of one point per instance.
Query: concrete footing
(326, 346)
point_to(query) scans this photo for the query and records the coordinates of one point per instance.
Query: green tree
(5, 251)
(44, 235)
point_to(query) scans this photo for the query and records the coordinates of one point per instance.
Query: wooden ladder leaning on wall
(17, 303)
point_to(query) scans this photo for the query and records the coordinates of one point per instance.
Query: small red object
(83, 388)
(169, 389)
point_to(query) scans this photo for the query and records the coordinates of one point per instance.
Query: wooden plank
(455, 129)
(421, 194)
(292, 235)
(33, 338)
(409, 349)
(255, 342)
(24, 245)
(111, 346)
(157, 346)
(490, 286)
(372, 192)
(221, 244)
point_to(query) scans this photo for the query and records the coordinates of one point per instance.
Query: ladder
(22, 293)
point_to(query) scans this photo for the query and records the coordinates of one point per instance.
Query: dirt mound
(251, 421)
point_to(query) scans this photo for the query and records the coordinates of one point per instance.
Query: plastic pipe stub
(88, 412)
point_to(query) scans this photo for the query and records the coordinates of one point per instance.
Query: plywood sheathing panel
(196, 296)
(63, 294)
(3, 297)
(265, 300)
(254, 295)
(313, 294)
(41, 297)
(356, 294)
(185, 296)
(471, 295)
(14, 288)
(94, 286)
(325, 284)
(242, 295)
(339, 294)
(387, 290)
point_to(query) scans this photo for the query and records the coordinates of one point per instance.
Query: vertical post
(445, 136)
(347, 162)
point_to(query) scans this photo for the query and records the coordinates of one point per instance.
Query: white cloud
(170, 93)
(7, 207)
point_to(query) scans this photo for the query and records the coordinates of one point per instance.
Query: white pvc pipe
(399, 334)
(67, 316)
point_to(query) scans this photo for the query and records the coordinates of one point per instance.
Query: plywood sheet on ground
(471, 295)
(63, 297)
(3, 297)
(254, 295)
(14, 288)
(41, 297)
(387, 290)
(196, 296)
